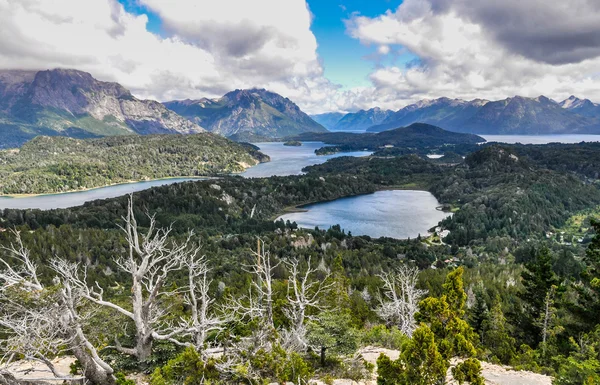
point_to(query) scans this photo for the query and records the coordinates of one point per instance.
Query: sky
(325, 55)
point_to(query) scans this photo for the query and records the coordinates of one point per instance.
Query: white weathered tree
(151, 260)
(41, 322)
(258, 304)
(401, 298)
(303, 294)
(547, 319)
(204, 318)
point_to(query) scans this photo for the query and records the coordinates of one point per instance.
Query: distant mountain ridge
(443, 112)
(353, 121)
(246, 114)
(362, 120)
(72, 103)
(583, 107)
(517, 116)
(328, 119)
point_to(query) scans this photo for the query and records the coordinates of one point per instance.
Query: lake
(285, 160)
(290, 160)
(541, 139)
(393, 213)
(64, 200)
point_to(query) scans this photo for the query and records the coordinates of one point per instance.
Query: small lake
(541, 139)
(290, 160)
(394, 213)
(65, 200)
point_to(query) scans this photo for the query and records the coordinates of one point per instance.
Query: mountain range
(328, 119)
(355, 121)
(517, 115)
(72, 103)
(514, 116)
(248, 115)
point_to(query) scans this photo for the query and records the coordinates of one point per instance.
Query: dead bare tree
(303, 294)
(258, 304)
(402, 298)
(40, 322)
(547, 319)
(204, 319)
(151, 260)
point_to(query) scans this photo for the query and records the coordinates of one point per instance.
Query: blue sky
(345, 60)
(464, 49)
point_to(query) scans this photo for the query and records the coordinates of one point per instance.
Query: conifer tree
(442, 335)
(538, 280)
(496, 337)
(589, 294)
(420, 362)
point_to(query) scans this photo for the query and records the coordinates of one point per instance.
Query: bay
(290, 160)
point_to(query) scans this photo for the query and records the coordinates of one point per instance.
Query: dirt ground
(494, 374)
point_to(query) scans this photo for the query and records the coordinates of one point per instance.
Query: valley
(376, 217)
(299, 192)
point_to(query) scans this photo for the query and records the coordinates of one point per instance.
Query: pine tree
(445, 316)
(443, 334)
(479, 315)
(538, 279)
(419, 364)
(332, 333)
(497, 339)
(589, 294)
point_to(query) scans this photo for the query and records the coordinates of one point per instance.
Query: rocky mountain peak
(247, 113)
(74, 91)
(73, 103)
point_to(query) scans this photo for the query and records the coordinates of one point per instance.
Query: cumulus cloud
(209, 48)
(463, 48)
(555, 32)
(482, 49)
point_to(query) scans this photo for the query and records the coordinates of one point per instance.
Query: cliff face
(73, 103)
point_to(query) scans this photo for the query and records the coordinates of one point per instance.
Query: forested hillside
(417, 137)
(263, 300)
(496, 193)
(58, 164)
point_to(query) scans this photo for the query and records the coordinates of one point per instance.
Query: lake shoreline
(362, 214)
(20, 196)
(300, 208)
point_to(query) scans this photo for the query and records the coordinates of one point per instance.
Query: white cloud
(462, 55)
(211, 48)
(464, 48)
(383, 49)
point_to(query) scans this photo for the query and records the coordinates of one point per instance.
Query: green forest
(417, 138)
(195, 283)
(58, 164)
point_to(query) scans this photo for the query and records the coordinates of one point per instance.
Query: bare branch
(402, 298)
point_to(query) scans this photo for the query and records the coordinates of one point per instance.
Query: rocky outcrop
(73, 103)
